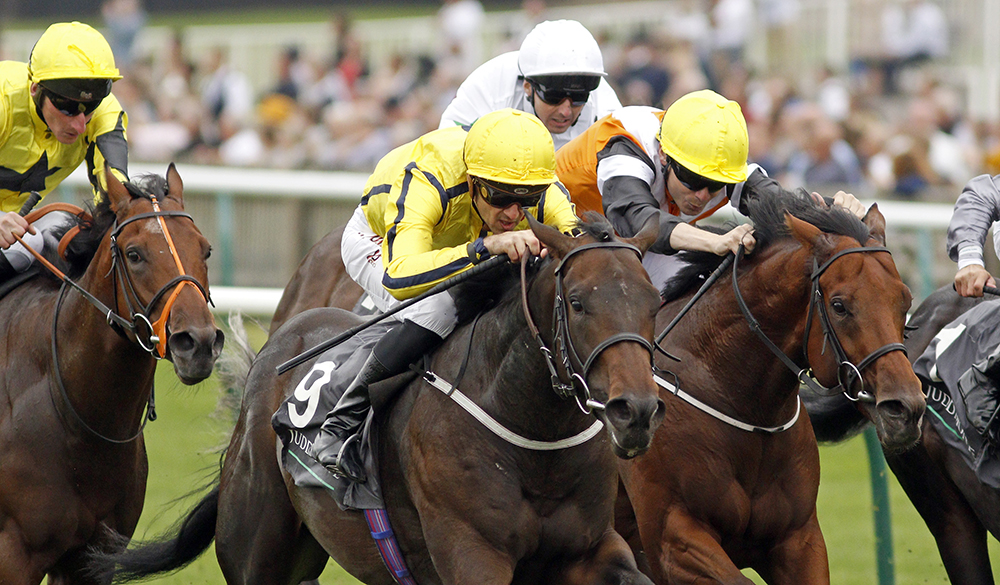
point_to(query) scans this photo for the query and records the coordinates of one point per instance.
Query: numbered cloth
(959, 367)
(317, 391)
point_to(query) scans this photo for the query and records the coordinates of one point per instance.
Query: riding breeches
(361, 250)
(661, 267)
(48, 229)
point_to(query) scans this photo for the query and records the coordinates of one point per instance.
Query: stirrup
(342, 466)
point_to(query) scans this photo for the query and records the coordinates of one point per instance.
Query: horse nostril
(892, 409)
(619, 412)
(220, 341)
(181, 343)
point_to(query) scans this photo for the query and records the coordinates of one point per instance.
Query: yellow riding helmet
(73, 60)
(707, 134)
(512, 147)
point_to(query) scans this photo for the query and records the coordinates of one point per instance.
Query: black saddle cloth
(317, 391)
(958, 367)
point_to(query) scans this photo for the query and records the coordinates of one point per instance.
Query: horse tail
(233, 365)
(166, 554)
(834, 418)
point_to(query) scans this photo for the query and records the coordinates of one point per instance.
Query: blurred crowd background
(891, 119)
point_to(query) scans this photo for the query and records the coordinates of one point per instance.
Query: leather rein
(575, 369)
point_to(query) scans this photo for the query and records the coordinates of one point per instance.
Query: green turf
(182, 447)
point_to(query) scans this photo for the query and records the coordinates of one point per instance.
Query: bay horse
(959, 509)
(466, 505)
(79, 358)
(732, 477)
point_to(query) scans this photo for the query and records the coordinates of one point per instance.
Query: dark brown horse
(732, 484)
(73, 390)
(467, 506)
(957, 507)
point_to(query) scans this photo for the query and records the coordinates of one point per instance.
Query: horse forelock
(768, 216)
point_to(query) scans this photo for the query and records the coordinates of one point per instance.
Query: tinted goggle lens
(555, 95)
(694, 181)
(68, 107)
(505, 197)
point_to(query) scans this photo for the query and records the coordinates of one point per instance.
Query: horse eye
(208, 253)
(838, 306)
(133, 256)
(577, 305)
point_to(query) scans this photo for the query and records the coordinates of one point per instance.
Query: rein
(848, 374)
(577, 386)
(156, 342)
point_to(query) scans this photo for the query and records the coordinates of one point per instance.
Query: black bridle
(575, 368)
(848, 374)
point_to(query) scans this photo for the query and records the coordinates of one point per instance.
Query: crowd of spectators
(884, 126)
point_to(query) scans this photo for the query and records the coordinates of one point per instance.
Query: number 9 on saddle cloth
(961, 371)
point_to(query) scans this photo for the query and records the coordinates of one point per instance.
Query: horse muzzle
(631, 423)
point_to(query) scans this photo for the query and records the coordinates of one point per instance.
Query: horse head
(158, 258)
(601, 327)
(855, 330)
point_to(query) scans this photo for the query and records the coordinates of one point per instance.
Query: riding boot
(336, 446)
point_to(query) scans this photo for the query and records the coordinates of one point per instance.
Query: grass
(182, 449)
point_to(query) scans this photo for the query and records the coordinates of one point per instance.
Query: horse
(958, 509)
(79, 354)
(733, 474)
(466, 505)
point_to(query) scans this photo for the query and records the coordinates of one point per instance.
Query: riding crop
(442, 286)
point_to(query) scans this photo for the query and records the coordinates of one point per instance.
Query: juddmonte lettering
(938, 396)
(301, 441)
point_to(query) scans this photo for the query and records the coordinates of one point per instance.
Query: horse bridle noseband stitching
(577, 387)
(848, 374)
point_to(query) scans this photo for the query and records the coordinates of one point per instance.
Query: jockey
(975, 211)
(434, 208)
(682, 164)
(55, 112)
(558, 74)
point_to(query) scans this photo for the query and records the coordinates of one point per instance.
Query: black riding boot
(336, 445)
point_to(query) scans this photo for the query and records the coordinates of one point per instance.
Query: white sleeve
(487, 89)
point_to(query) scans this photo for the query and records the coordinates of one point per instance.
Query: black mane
(767, 212)
(99, 219)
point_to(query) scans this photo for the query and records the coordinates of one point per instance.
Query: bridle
(575, 368)
(848, 374)
(155, 343)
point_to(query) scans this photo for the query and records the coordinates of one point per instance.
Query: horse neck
(776, 290)
(517, 384)
(105, 373)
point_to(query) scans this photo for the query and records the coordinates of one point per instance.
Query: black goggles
(503, 196)
(68, 107)
(554, 90)
(694, 181)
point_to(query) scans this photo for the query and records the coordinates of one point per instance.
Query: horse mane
(767, 212)
(99, 218)
(502, 284)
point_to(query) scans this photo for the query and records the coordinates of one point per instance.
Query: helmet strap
(38, 96)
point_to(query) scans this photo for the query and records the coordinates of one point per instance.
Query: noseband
(575, 368)
(848, 374)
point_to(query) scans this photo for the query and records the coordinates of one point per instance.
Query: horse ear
(175, 187)
(118, 195)
(647, 235)
(557, 243)
(876, 223)
(810, 236)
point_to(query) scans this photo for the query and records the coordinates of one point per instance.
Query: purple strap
(378, 524)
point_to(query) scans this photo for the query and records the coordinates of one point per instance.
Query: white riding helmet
(560, 47)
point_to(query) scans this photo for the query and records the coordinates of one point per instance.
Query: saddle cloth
(946, 364)
(317, 391)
